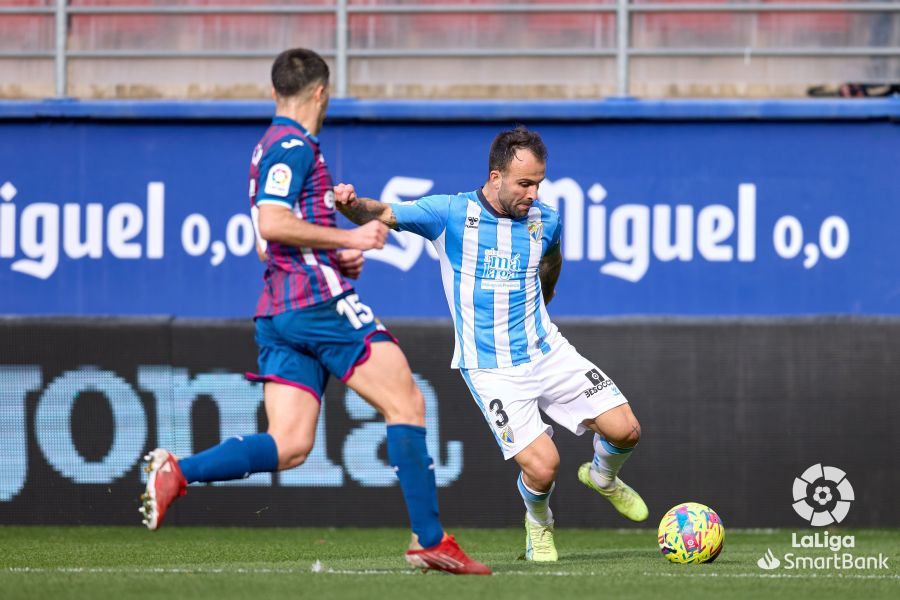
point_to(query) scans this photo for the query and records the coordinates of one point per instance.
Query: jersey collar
(279, 120)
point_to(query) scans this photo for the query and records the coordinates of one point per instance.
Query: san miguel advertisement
(660, 218)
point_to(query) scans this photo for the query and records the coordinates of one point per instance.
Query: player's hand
(350, 263)
(371, 235)
(345, 195)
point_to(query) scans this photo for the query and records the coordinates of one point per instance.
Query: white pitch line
(329, 571)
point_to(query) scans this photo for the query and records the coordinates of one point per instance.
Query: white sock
(608, 459)
(537, 504)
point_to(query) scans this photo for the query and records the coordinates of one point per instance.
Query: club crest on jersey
(536, 230)
(500, 270)
(506, 435)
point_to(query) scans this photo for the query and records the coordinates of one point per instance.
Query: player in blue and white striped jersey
(500, 259)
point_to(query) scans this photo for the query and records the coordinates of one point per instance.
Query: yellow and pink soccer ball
(691, 533)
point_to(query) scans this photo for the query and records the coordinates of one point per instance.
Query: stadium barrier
(732, 411)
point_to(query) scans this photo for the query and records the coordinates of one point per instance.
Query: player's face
(519, 183)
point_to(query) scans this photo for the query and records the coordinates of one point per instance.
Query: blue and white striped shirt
(489, 266)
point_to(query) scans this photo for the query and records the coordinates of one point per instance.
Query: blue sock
(235, 458)
(415, 470)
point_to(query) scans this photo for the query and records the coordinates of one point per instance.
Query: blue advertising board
(701, 209)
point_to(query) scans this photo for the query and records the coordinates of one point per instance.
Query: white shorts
(566, 386)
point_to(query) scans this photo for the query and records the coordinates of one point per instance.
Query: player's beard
(511, 205)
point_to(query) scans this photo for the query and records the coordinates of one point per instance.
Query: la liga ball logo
(822, 495)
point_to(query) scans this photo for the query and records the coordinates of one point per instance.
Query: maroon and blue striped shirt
(288, 169)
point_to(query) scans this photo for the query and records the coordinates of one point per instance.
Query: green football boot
(622, 497)
(539, 545)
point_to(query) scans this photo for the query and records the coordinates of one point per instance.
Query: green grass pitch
(218, 563)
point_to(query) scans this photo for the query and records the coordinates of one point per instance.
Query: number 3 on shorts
(496, 407)
(356, 312)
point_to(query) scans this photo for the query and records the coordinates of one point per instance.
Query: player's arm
(279, 224)
(426, 216)
(549, 269)
(362, 210)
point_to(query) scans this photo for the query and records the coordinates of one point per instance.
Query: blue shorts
(301, 347)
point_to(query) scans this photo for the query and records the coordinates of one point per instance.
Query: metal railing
(342, 53)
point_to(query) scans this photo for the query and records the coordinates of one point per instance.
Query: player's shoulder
(460, 200)
(441, 201)
(286, 146)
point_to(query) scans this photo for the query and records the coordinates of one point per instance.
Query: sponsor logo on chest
(500, 270)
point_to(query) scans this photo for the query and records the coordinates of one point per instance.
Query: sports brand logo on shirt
(278, 182)
(500, 271)
(536, 230)
(291, 144)
(472, 222)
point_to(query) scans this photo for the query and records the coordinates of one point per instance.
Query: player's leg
(539, 462)
(168, 477)
(292, 413)
(505, 398)
(385, 381)
(616, 433)
(294, 384)
(581, 397)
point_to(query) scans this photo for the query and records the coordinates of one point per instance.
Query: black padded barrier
(732, 410)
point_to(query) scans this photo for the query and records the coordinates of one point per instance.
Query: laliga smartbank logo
(822, 497)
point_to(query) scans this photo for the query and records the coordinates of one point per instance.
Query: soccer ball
(691, 533)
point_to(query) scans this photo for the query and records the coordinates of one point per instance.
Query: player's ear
(321, 92)
(496, 179)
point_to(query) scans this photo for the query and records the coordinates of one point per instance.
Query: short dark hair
(507, 143)
(296, 69)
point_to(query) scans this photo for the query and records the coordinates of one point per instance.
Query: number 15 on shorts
(356, 312)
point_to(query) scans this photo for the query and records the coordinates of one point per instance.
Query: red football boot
(165, 483)
(446, 556)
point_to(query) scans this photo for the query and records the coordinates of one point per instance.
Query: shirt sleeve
(282, 173)
(555, 234)
(426, 217)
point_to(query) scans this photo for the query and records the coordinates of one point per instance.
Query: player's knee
(291, 452)
(626, 436)
(294, 457)
(408, 410)
(541, 474)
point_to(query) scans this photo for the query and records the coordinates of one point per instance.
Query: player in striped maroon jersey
(310, 323)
